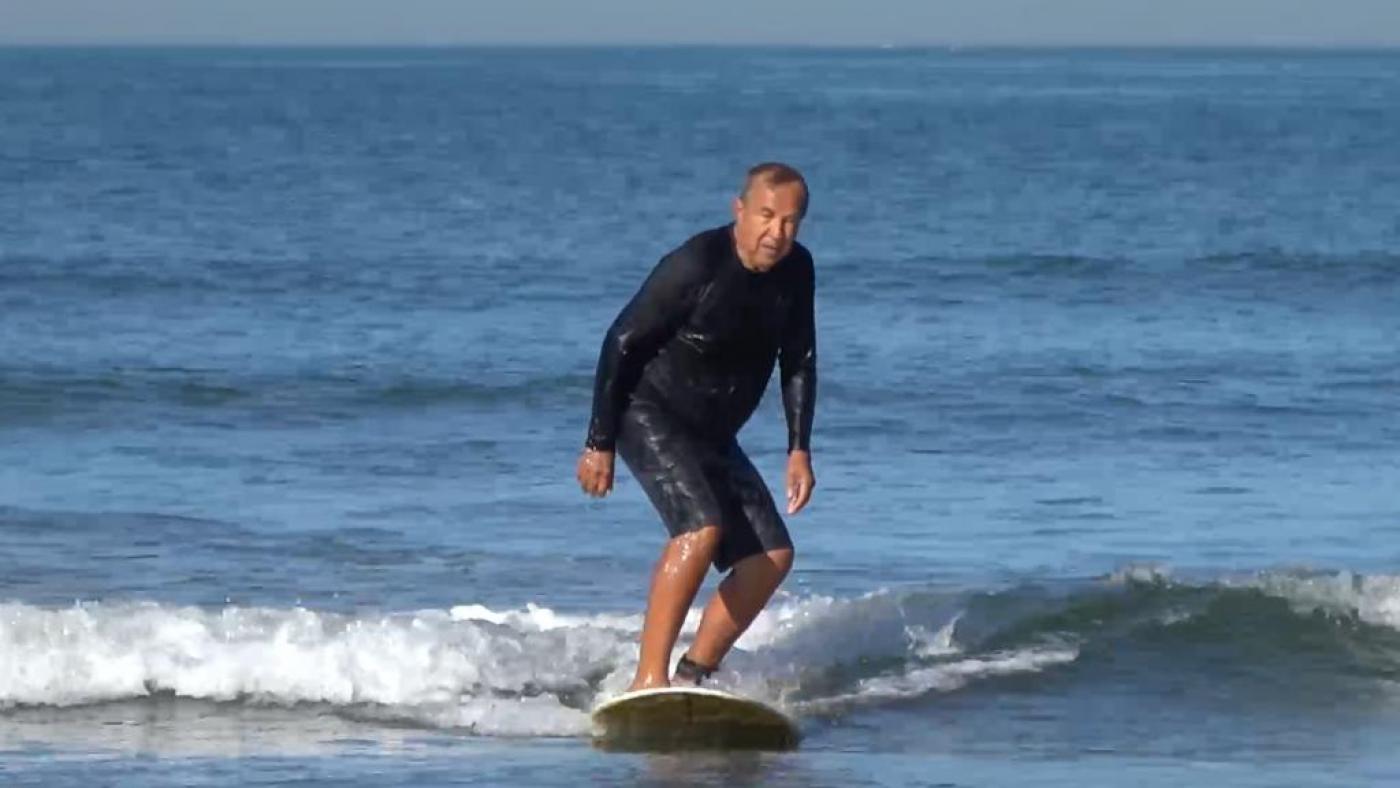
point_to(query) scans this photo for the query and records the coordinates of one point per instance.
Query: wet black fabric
(700, 340)
(683, 368)
(694, 482)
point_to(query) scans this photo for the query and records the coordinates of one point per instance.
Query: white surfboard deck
(679, 718)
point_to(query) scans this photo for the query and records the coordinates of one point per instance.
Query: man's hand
(799, 480)
(595, 472)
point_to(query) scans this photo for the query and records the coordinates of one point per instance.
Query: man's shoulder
(801, 258)
(708, 244)
(701, 251)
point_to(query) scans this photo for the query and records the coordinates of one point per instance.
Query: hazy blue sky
(1260, 22)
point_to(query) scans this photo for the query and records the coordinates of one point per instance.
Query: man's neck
(739, 253)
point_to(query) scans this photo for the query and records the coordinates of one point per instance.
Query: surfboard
(683, 718)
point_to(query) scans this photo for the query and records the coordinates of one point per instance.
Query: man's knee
(706, 535)
(781, 560)
(709, 534)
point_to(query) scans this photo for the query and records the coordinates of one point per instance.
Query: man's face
(766, 219)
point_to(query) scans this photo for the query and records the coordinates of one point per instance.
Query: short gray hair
(776, 173)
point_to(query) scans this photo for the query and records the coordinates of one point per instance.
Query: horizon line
(1376, 46)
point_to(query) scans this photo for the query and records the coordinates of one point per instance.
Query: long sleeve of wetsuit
(797, 363)
(651, 318)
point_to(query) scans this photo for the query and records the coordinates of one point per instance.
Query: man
(681, 370)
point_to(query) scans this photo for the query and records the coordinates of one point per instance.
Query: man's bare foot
(648, 682)
(652, 685)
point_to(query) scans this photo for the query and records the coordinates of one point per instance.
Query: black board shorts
(694, 482)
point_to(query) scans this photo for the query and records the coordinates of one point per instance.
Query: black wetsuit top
(700, 338)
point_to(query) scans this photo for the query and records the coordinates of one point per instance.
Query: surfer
(681, 370)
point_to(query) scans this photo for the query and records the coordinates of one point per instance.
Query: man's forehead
(768, 191)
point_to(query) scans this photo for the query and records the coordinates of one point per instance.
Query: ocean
(296, 357)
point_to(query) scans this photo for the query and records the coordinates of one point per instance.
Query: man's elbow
(622, 343)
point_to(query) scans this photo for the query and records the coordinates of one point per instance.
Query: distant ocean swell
(34, 391)
(381, 280)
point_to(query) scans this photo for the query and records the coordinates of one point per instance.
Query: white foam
(427, 666)
(535, 617)
(783, 617)
(946, 676)
(1149, 574)
(846, 629)
(923, 643)
(523, 671)
(1374, 599)
(528, 671)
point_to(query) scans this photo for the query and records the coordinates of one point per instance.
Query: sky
(815, 22)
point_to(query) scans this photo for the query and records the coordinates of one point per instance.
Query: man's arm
(644, 325)
(797, 361)
(650, 319)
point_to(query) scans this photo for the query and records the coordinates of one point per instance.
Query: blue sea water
(296, 352)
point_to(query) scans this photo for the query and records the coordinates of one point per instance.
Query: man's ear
(738, 207)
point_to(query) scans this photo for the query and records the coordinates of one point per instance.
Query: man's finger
(795, 492)
(600, 482)
(802, 493)
(587, 476)
(595, 473)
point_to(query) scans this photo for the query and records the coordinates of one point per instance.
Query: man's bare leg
(737, 603)
(677, 576)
